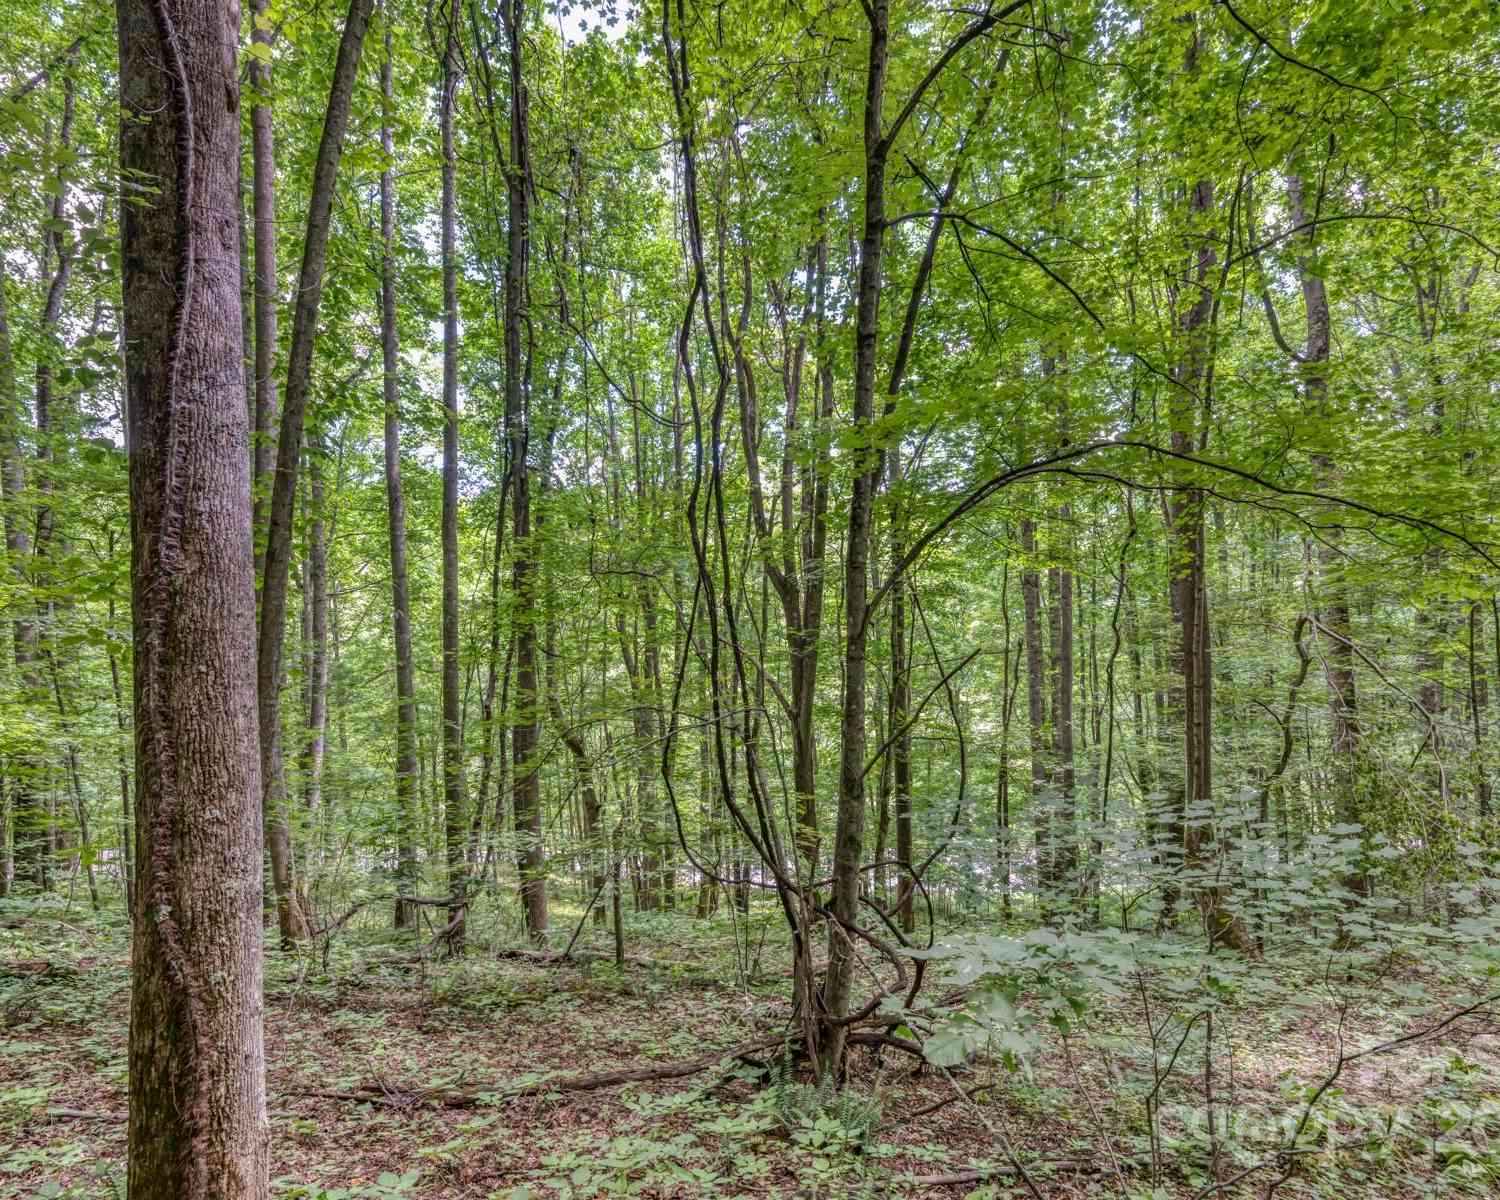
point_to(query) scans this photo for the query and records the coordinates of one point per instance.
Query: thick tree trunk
(290, 918)
(198, 1125)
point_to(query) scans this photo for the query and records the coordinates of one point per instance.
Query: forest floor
(1423, 1119)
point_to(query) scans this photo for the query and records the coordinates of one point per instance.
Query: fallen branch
(79, 1114)
(928, 1109)
(392, 1098)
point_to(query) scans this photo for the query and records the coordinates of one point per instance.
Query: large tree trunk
(455, 826)
(290, 918)
(198, 1125)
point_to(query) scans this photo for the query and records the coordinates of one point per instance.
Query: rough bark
(198, 1125)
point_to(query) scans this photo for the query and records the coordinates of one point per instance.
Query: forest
(749, 598)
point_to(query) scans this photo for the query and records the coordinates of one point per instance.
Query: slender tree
(292, 921)
(524, 737)
(454, 824)
(395, 499)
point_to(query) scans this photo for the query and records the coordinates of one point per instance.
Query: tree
(406, 706)
(198, 1125)
(526, 731)
(454, 824)
(293, 922)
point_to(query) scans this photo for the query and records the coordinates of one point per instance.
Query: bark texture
(198, 1124)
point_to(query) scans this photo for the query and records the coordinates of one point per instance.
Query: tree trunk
(1009, 680)
(849, 829)
(1192, 674)
(900, 704)
(395, 506)
(1343, 701)
(290, 918)
(198, 1125)
(315, 602)
(263, 157)
(596, 851)
(455, 826)
(1036, 705)
(1063, 869)
(527, 792)
(1479, 703)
